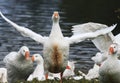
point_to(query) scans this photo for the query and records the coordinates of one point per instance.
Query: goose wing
(9, 59)
(94, 31)
(25, 31)
(103, 42)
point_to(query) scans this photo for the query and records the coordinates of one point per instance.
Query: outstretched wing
(103, 42)
(87, 27)
(90, 31)
(25, 31)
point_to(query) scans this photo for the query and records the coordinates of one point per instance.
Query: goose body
(56, 53)
(18, 64)
(56, 46)
(110, 70)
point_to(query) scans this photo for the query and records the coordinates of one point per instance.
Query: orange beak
(68, 67)
(56, 14)
(111, 50)
(27, 55)
(33, 58)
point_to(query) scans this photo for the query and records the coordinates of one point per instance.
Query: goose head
(37, 58)
(98, 58)
(113, 48)
(55, 17)
(71, 65)
(24, 51)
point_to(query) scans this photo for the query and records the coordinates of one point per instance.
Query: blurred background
(36, 15)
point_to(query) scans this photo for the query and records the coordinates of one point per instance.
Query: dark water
(36, 15)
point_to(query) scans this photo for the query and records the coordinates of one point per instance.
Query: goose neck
(114, 56)
(39, 62)
(56, 31)
(20, 56)
(41, 66)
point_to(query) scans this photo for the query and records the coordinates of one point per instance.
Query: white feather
(3, 75)
(90, 35)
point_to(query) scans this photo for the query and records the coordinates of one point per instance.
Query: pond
(36, 15)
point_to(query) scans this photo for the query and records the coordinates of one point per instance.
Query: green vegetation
(64, 81)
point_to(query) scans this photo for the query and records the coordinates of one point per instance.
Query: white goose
(18, 64)
(69, 71)
(110, 70)
(56, 46)
(39, 70)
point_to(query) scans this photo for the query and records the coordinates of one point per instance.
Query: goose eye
(114, 47)
(23, 50)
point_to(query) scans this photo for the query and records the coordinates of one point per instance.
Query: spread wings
(95, 31)
(25, 31)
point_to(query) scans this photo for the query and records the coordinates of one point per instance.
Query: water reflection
(36, 15)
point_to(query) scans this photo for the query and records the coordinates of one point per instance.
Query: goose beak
(27, 55)
(111, 50)
(68, 67)
(56, 14)
(33, 58)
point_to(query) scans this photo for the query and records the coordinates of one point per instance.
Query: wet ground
(36, 15)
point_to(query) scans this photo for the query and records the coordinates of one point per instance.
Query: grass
(64, 81)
